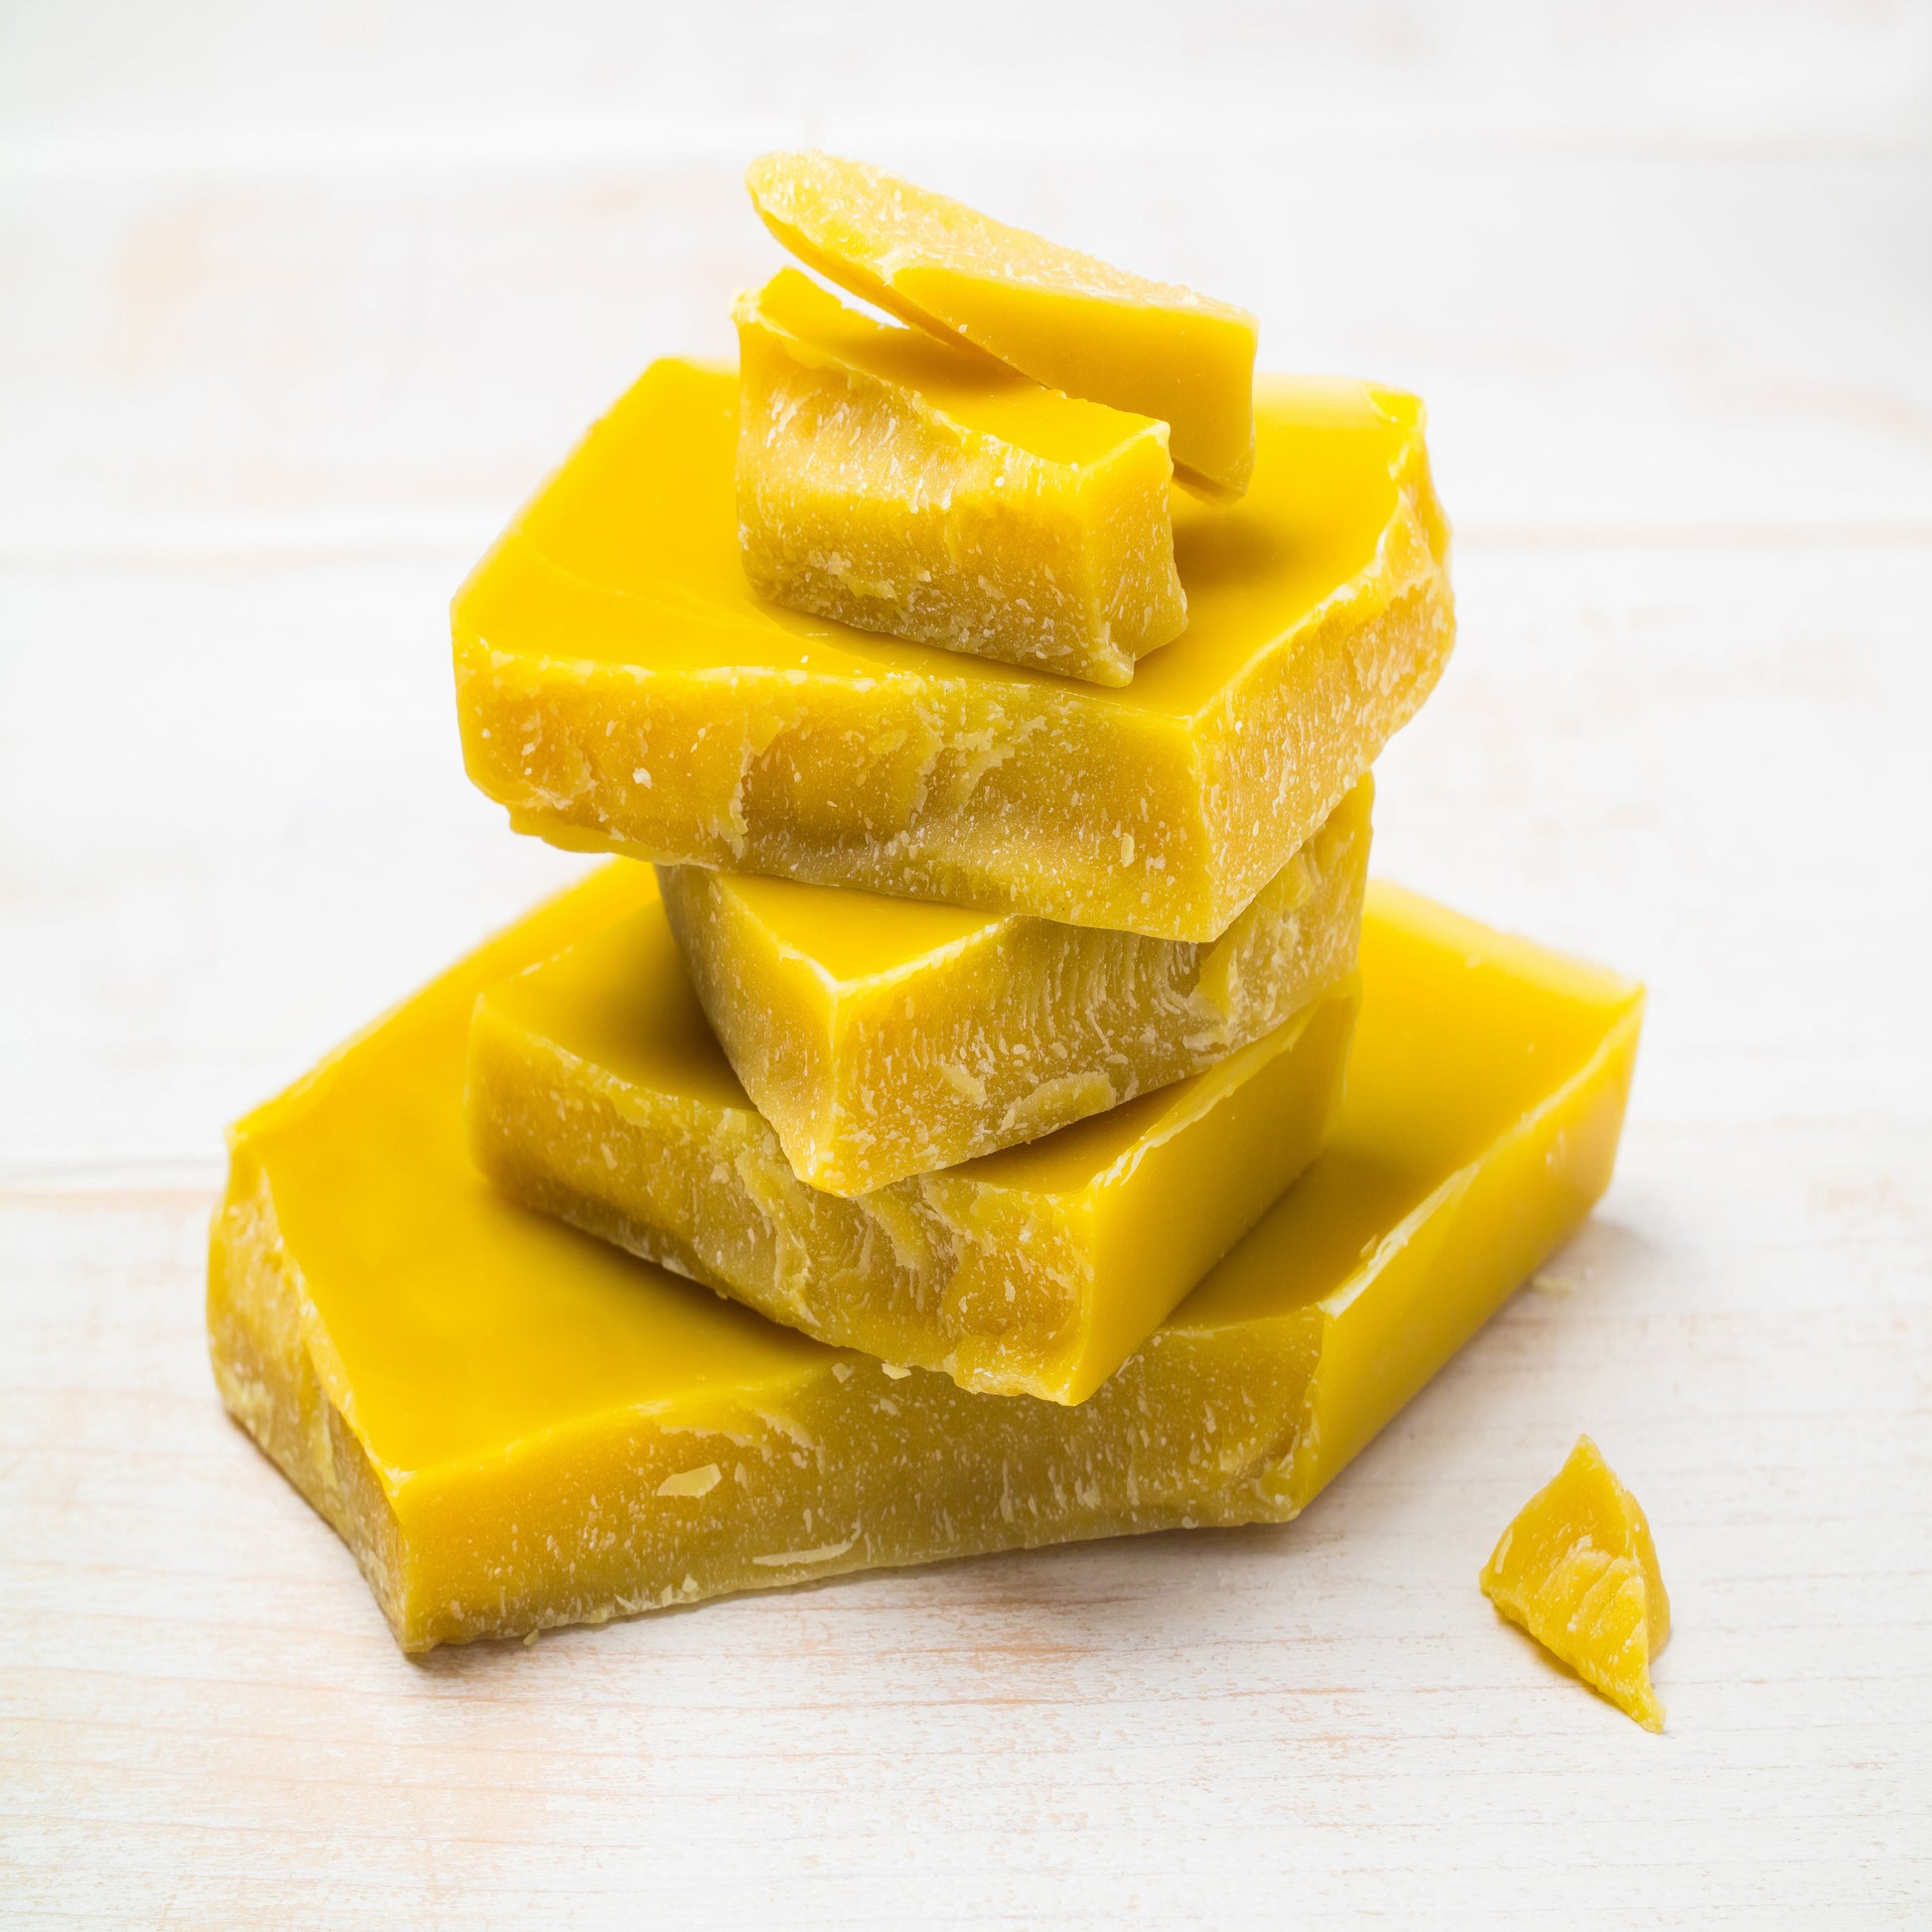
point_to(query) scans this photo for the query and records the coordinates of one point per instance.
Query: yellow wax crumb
(1578, 1570)
(825, 1553)
(691, 1482)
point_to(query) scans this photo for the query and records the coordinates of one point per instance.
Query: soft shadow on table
(1604, 1250)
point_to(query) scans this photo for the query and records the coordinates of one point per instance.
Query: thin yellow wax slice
(1578, 1569)
(883, 1037)
(621, 686)
(515, 1426)
(1064, 318)
(904, 485)
(598, 1093)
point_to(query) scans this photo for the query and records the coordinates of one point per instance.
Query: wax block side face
(596, 1095)
(1487, 1092)
(1213, 1158)
(1064, 318)
(850, 1465)
(515, 1427)
(1510, 1052)
(271, 1357)
(1578, 1569)
(890, 481)
(882, 1038)
(622, 687)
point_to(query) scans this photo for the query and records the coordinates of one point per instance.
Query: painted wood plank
(203, 1717)
(355, 362)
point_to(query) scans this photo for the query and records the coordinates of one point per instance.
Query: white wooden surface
(293, 306)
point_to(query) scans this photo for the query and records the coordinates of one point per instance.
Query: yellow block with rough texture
(1578, 1569)
(895, 483)
(597, 1093)
(882, 1037)
(1062, 318)
(515, 1426)
(621, 686)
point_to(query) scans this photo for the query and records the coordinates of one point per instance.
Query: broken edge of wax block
(883, 1037)
(622, 687)
(1577, 1568)
(515, 1427)
(1064, 318)
(888, 481)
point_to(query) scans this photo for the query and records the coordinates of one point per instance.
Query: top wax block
(894, 482)
(1064, 318)
(622, 687)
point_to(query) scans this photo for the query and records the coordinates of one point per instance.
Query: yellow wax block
(515, 1426)
(883, 1037)
(597, 1093)
(621, 686)
(1062, 318)
(898, 483)
(1578, 1569)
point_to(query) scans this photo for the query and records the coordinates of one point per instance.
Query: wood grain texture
(298, 303)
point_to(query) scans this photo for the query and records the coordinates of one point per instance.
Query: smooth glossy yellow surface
(1578, 1569)
(620, 685)
(895, 483)
(598, 1093)
(516, 1425)
(883, 1037)
(1064, 318)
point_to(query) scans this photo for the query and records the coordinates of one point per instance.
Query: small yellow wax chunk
(598, 1093)
(883, 1037)
(895, 482)
(1578, 1570)
(513, 1425)
(622, 687)
(1065, 320)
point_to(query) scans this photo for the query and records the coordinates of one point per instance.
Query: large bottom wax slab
(621, 686)
(515, 1426)
(598, 1093)
(882, 1037)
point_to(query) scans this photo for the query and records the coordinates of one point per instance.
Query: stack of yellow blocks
(1001, 1114)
